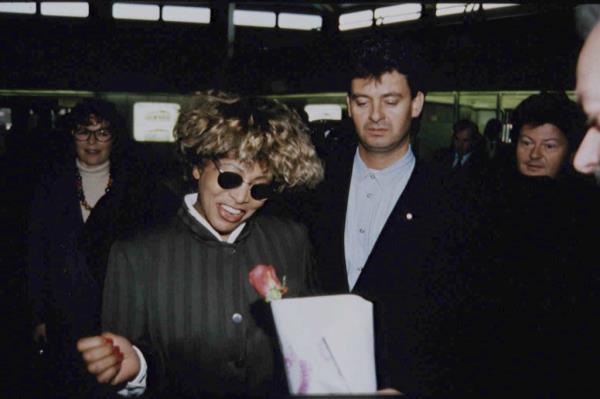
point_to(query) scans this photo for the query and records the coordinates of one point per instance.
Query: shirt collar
(190, 200)
(361, 170)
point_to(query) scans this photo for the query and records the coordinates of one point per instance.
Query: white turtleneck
(94, 180)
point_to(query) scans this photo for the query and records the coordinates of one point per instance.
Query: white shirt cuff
(137, 386)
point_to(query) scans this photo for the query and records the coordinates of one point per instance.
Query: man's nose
(536, 152)
(587, 158)
(376, 113)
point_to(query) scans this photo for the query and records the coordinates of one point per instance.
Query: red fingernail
(116, 350)
(108, 340)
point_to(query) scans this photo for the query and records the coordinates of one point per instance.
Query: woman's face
(541, 150)
(90, 150)
(225, 209)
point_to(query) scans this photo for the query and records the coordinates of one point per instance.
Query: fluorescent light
(318, 112)
(356, 20)
(144, 12)
(262, 19)
(442, 9)
(79, 9)
(17, 8)
(199, 15)
(491, 6)
(398, 13)
(299, 21)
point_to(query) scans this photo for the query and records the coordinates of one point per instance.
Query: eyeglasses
(229, 180)
(83, 134)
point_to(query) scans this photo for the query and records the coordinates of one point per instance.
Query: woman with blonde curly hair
(180, 293)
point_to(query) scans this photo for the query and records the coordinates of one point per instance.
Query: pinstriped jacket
(184, 298)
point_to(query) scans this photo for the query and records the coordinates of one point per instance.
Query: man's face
(587, 159)
(382, 110)
(541, 150)
(462, 142)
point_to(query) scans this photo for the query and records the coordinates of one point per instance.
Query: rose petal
(264, 279)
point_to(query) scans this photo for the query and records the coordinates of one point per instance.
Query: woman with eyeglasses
(96, 193)
(184, 320)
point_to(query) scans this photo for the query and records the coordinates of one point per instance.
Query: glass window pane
(491, 6)
(398, 13)
(442, 9)
(356, 20)
(299, 21)
(199, 15)
(145, 12)
(17, 8)
(154, 121)
(65, 9)
(5, 119)
(262, 19)
(323, 111)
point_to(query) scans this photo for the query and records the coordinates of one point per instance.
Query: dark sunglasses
(229, 180)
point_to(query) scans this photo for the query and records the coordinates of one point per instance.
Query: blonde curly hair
(217, 124)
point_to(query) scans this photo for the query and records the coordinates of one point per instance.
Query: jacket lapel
(403, 216)
(329, 228)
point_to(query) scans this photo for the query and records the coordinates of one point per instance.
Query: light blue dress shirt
(373, 195)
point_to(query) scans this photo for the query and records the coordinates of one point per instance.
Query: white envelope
(327, 344)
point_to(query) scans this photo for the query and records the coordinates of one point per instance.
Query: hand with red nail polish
(111, 358)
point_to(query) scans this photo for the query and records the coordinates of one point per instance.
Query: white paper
(327, 344)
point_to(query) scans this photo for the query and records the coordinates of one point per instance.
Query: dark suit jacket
(408, 275)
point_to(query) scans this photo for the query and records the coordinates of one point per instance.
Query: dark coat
(67, 258)
(184, 298)
(410, 274)
(535, 315)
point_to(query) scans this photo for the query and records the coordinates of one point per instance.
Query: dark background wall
(534, 50)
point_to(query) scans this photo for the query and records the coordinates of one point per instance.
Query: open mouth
(232, 215)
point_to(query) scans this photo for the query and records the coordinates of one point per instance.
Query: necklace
(81, 195)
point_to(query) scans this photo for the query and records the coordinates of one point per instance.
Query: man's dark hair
(379, 54)
(493, 129)
(465, 124)
(553, 108)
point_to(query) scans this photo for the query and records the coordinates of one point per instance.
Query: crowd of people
(480, 264)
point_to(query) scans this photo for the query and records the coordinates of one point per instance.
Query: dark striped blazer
(184, 298)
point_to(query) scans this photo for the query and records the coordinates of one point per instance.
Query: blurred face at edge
(587, 159)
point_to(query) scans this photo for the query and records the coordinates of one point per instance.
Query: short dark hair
(103, 110)
(553, 108)
(465, 124)
(379, 54)
(493, 129)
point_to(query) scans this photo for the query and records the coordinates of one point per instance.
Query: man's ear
(417, 104)
(196, 172)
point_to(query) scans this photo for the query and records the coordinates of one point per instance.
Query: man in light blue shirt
(382, 220)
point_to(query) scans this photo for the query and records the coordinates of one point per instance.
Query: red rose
(264, 279)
